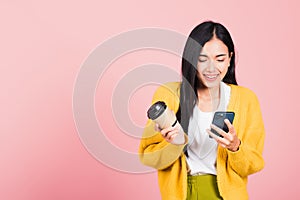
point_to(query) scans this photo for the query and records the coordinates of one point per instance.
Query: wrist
(237, 146)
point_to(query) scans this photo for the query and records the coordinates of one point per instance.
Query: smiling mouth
(210, 76)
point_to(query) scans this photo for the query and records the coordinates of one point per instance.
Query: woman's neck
(209, 93)
(208, 99)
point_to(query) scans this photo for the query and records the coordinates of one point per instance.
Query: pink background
(42, 47)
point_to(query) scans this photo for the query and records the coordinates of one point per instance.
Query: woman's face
(213, 62)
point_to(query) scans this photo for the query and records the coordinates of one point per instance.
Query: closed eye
(202, 60)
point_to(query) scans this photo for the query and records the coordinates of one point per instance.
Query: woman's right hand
(174, 135)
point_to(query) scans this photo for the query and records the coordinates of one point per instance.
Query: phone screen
(218, 120)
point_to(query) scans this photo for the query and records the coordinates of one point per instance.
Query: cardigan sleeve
(248, 159)
(154, 150)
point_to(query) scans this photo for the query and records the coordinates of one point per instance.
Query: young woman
(192, 161)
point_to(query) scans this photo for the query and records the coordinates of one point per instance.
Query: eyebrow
(203, 55)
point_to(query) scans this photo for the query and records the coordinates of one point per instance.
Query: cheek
(223, 67)
(223, 72)
(200, 67)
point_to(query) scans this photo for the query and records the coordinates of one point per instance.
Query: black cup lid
(156, 110)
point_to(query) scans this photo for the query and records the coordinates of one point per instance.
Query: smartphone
(218, 120)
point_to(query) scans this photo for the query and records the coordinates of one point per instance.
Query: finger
(230, 126)
(173, 136)
(222, 141)
(214, 136)
(170, 135)
(218, 130)
(166, 130)
(170, 139)
(157, 127)
(211, 134)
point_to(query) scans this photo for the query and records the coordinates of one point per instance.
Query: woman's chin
(212, 84)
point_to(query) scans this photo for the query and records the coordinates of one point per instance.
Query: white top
(202, 150)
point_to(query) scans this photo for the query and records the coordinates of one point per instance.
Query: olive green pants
(203, 187)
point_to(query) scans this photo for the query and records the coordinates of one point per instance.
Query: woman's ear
(230, 55)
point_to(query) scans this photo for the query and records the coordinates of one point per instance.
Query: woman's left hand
(229, 140)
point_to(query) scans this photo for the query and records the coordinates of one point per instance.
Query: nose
(211, 66)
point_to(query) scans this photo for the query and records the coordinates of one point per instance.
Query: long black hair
(201, 34)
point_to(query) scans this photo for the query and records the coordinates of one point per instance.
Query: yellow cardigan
(232, 167)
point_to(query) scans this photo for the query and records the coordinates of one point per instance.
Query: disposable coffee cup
(160, 114)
